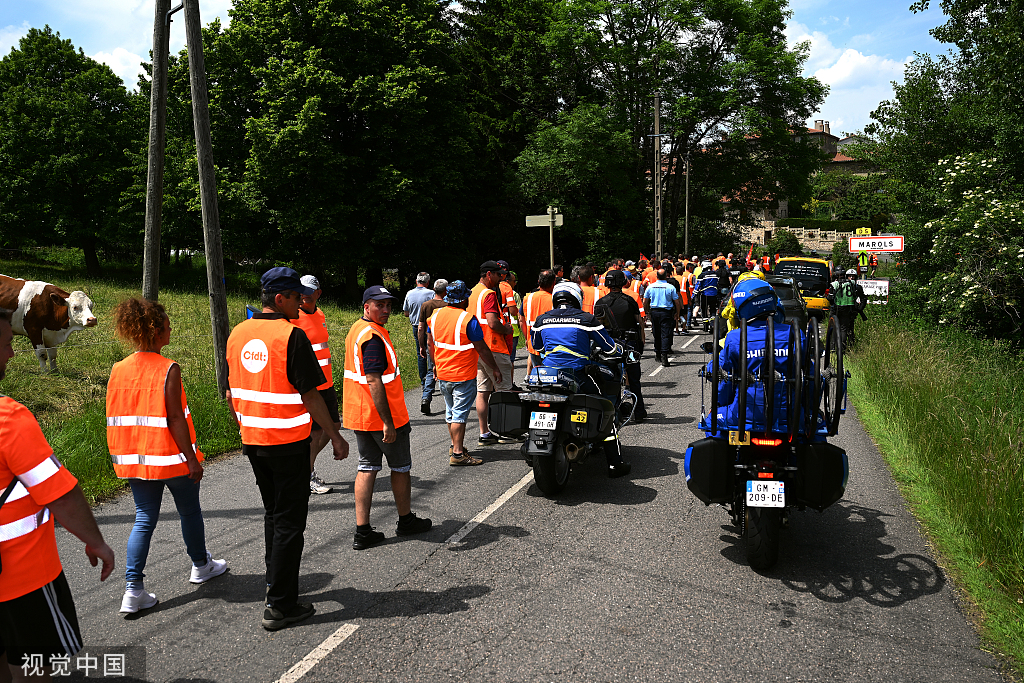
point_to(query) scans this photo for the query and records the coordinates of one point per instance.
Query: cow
(46, 314)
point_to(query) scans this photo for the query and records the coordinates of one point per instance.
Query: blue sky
(857, 48)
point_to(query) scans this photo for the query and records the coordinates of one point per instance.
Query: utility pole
(208, 192)
(657, 176)
(686, 221)
(552, 217)
(155, 170)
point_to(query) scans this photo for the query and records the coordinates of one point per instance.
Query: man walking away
(534, 304)
(273, 373)
(485, 305)
(456, 344)
(374, 408)
(426, 310)
(620, 315)
(662, 301)
(414, 300)
(37, 612)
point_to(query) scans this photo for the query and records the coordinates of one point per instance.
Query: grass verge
(947, 411)
(71, 403)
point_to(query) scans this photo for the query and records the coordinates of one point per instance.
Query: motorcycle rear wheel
(552, 473)
(761, 534)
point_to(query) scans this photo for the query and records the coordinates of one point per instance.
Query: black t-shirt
(304, 373)
(620, 313)
(375, 360)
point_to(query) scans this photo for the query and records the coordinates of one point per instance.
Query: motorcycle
(563, 423)
(758, 474)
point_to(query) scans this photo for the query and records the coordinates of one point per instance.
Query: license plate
(540, 420)
(579, 416)
(766, 494)
(736, 439)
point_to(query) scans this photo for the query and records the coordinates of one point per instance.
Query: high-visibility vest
(455, 357)
(495, 342)
(534, 305)
(636, 297)
(634, 285)
(140, 444)
(590, 296)
(269, 408)
(766, 263)
(359, 411)
(650, 276)
(873, 260)
(684, 296)
(315, 326)
(27, 543)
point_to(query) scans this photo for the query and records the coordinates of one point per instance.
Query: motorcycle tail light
(765, 475)
(544, 405)
(765, 442)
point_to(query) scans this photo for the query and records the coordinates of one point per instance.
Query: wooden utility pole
(155, 171)
(208, 192)
(657, 176)
(686, 221)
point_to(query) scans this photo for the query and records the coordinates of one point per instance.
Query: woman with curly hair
(153, 444)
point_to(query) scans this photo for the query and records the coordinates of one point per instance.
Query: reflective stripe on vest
(495, 342)
(25, 525)
(358, 375)
(359, 411)
(269, 409)
(537, 303)
(141, 445)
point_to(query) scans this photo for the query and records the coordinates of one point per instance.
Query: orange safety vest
(636, 297)
(634, 285)
(590, 296)
(140, 444)
(495, 342)
(534, 305)
(27, 542)
(360, 413)
(455, 357)
(269, 408)
(873, 260)
(315, 326)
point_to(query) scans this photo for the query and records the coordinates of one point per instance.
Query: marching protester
(591, 290)
(312, 321)
(414, 300)
(37, 611)
(152, 443)
(620, 313)
(426, 310)
(662, 300)
(485, 305)
(456, 344)
(374, 408)
(534, 304)
(274, 373)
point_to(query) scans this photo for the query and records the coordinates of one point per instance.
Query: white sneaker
(317, 485)
(208, 571)
(136, 599)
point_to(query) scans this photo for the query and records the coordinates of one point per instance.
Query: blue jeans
(429, 380)
(421, 363)
(148, 495)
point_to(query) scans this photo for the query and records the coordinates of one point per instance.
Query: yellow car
(813, 276)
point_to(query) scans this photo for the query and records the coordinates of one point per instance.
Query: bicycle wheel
(832, 376)
(814, 356)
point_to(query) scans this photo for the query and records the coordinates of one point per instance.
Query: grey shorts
(373, 450)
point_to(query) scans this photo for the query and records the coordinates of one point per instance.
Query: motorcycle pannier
(588, 417)
(822, 471)
(506, 414)
(709, 470)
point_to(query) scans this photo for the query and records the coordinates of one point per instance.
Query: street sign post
(550, 219)
(876, 244)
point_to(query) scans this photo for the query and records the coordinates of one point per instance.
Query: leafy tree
(784, 242)
(65, 123)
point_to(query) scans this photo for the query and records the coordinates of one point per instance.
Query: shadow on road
(841, 555)
(360, 604)
(485, 534)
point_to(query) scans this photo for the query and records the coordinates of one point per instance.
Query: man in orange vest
(455, 342)
(374, 408)
(273, 374)
(312, 321)
(591, 291)
(510, 308)
(37, 612)
(486, 306)
(534, 304)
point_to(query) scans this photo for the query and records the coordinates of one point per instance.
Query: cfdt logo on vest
(255, 355)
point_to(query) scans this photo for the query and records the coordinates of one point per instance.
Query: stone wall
(812, 240)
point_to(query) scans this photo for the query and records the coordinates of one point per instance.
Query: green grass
(70, 404)
(947, 411)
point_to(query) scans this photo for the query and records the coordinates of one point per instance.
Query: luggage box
(709, 470)
(822, 473)
(588, 417)
(506, 414)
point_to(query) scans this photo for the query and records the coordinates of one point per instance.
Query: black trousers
(633, 375)
(663, 322)
(284, 487)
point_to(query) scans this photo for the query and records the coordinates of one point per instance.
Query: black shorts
(42, 622)
(330, 397)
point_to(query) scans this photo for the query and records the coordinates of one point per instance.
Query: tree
(784, 242)
(65, 124)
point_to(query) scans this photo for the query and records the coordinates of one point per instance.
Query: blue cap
(377, 292)
(283, 279)
(457, 292)
(755, 297)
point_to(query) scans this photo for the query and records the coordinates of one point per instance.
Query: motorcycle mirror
(707, 347)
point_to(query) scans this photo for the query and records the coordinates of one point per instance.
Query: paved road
(628, 579)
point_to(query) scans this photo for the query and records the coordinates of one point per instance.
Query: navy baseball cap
(457, 292)
(377, 292)
(503, 265)
(490, 266)
(283, 279)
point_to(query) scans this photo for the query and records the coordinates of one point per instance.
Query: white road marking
(319, 652)
(656, 370)
(489, 510)
(689, 342)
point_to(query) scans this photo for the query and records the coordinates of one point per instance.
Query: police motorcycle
(764, 460)
(565, 414)
(707, 289)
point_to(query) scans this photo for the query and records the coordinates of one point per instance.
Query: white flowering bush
(977, 247)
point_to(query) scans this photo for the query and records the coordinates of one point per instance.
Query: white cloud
(9, 37)
(823, 52)
(123, 63)
(854, 69)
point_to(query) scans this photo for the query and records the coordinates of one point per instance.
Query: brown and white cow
(45, 313)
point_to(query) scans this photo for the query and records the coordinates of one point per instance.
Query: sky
(857, 48)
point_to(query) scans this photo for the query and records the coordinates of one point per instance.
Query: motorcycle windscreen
(506, 414)
(709, 471)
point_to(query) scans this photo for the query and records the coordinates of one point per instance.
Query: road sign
(877, 244)
(864, 231)
(876, 291)
(542, 221)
